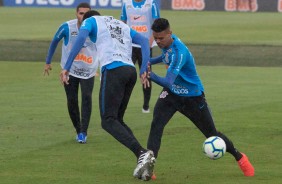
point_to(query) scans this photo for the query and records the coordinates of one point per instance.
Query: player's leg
(72, 101)
(147, 90)
(197, 110)
(126, 97)
(112, 91)
(86, 86)
(134, 55)
(163, 111)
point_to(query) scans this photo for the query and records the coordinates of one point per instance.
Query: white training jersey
(113, 41)
(140, 18)
(86, 62)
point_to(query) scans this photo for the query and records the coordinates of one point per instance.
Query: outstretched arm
(156, 60)
(145, 49)
(73, 53)
(166, 81)
(61, 32)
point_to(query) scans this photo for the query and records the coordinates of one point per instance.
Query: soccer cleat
(246, 166)
(148, 173)
(154, 177)
(145, 166)
(145, 111)
(81, 138)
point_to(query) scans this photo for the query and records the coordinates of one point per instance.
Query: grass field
(37, 137)
(221, 38)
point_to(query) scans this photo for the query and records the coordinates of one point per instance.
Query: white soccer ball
(214, 147)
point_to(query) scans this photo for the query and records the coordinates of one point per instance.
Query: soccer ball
(214, 147)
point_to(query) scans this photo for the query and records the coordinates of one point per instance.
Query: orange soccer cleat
(246, 166)
(154, 177)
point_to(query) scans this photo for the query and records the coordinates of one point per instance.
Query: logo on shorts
(163, 94)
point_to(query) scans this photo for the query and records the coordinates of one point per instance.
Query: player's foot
(145, 110)
(154, 177)
(246, 166)
(148, 172)
(81, 138)
(145, 164)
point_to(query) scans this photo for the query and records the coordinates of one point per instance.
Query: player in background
(183, 92)
(82, 71)
(140, 15)
(113, 40)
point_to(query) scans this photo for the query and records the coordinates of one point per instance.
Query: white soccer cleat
(146, 162)
(149, 170)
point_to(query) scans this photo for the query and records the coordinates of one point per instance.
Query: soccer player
(183, 91)
(82, 71)
(140, 15)
(113, 40)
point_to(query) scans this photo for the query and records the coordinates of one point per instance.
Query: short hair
(90, 14)
(83, 5)
(160, 24)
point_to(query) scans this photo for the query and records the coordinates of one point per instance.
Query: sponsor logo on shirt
(138, 18)
(140, 29)
(84, 58)
(135, 18)
(115, 29)
(179, 89)
(81, 72)
(74, 33)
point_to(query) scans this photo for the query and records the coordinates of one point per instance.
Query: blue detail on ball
(219, 151)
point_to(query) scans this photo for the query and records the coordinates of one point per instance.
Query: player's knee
(107, 122)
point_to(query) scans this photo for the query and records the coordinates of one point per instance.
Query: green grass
(37, 137)
(215, 38)
(191, 26)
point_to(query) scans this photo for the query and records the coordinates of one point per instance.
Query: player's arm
(139, 39)
(123, 15)
(155, 14)
(155, 10)
(85, 30)
(61, 33)
(172, 72)
(166, 81)
(76, 48)
(156, 60)
(73, 53)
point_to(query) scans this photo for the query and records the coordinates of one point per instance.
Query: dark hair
(83, 5)
(90, 14)
(160, 24)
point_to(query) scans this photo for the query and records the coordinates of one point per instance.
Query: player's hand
(47, 68)
(64, 77)
(145, 80)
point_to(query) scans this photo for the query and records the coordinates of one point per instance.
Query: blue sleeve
(83, 34)
(166, 81)
(90, 24)
(139, 39)
(61, 33)
(155, 10)
(156, 60)
(123, 15)
(179, 60)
